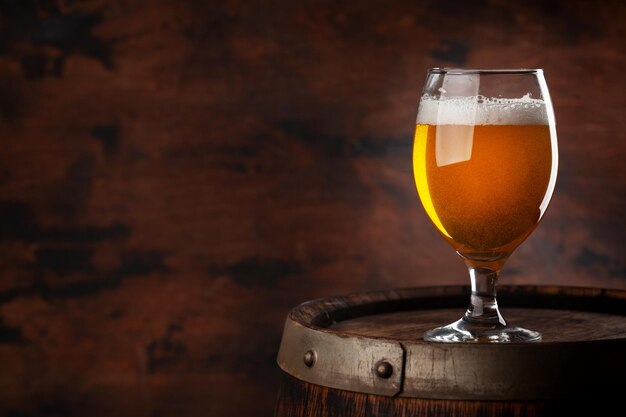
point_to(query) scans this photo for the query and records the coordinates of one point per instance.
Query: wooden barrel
(363, 355)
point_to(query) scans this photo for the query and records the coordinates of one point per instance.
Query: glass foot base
(466, 331)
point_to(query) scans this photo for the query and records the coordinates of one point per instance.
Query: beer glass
(485, 161)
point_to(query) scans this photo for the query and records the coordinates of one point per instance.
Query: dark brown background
(175, 175)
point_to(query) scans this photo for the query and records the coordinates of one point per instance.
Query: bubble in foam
(481, 110)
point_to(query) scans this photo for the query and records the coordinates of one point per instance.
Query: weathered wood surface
(554, 325)
(176, 175)
(560, 314)
(301, 399)
(564, 313)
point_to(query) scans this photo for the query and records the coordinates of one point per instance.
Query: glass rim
(484, 71)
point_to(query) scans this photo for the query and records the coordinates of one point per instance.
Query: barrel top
(556, 326)
(561, 314)
(372, 342)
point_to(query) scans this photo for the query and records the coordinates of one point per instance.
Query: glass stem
(483, 309)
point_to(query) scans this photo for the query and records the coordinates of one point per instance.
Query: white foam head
(479, 110)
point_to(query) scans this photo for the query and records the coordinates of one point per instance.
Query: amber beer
(484, 181)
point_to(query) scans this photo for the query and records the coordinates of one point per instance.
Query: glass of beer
(485, 160)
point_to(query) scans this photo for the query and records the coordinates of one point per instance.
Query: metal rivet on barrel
(309, 358)
(383, 369)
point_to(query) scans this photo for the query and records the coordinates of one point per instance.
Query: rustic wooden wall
(175, 175)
